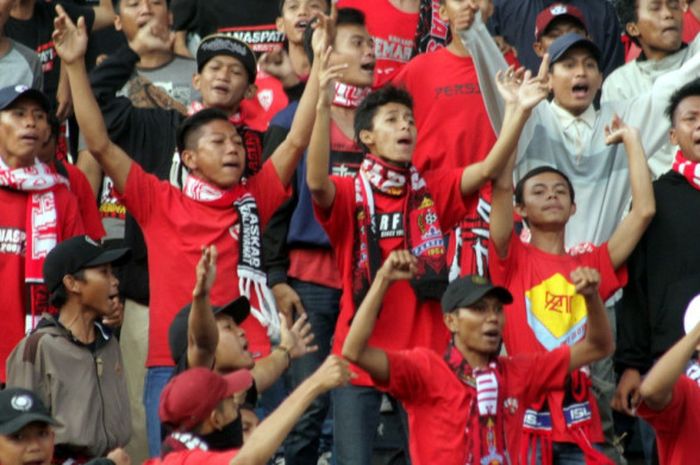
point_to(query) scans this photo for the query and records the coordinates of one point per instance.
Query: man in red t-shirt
(548, 311)
(215, 207)
(671, 396)
(467, 406)
(453, 130)
(37, 212)
(387, 206)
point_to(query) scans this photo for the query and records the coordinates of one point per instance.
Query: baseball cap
(19, 407)
(220, 44)
(564, 43)
(75, 254)
(555, 11)
(189, 398)
(467, 290)
(177, 333)
(8, 95)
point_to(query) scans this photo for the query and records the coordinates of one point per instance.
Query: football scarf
(689, 169)
(180, 441)
(349, 96)
(251, 277)
(486, 423)
(421, 228)
(432, 33)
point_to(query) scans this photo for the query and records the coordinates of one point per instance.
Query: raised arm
(399, 265)
(104, 15)
(202, 333)
(630, 230)
(598, 341)
(657, 388)
(317, 178)
(267, 437)
(71, 42)
(521, 93)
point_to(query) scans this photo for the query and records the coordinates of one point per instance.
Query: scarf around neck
(349, 96)
(486, 438)
(421, 228)
(251, 277)
(690, 170)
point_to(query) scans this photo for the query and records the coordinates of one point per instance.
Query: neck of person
(344, 118)
(13, 162)
(574, 112)
(23, 9)
(230, 110)
(550, 241)
(456, 47)
(654, 54)
(155, 59)
(79, 322)
(474, 358)
(299, 60)
(4, 44)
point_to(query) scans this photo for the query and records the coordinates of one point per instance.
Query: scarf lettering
(251, 250)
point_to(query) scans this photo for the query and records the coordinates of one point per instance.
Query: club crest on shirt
(555, 312)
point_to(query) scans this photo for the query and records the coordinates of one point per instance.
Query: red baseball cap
(557, 10)
(190, 397)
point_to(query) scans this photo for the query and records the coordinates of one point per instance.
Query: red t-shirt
(269, 100)
(13, 235)
(453, 130)
(175, 227)
(677, 425)
(436, 401)
(87, 202)
(546, 312)
(195, 457)
(403, 322)
(691, 26)
(394, 34)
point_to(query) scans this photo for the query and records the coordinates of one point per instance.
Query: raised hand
(205, 271)
(328, 75)
(298, 339)
(288, 302)
(508, 83)
(115, 317)
(278, 64)
(617, 131)
(324, 30)
(586, 281)
(400, 264)
(153, 37)
(70, 40)
(535, 89)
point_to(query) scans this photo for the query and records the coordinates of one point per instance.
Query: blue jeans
(322, 305)
(356, 415)
(156, 379)
(565, 453)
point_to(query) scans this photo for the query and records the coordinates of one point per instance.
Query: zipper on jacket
(99, 368)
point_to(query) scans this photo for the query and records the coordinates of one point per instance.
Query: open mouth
(492, 335)
(580, 90)
(368, 67)
(301, 24)
(405, 141)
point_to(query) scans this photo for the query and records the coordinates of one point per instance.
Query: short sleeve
(410, 372)
(611, 279)
(500, 269)
(540, 372)
(445, 186)
(268, 190)
(666, 420)
(141, 193)
(340, 215)
(72, 222)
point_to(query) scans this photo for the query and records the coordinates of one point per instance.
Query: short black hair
(187, 133)
(691, 89)
(115, 5)
(520, 186)
(627, 13)
(346, 16)
(370, 105)
(59, 297)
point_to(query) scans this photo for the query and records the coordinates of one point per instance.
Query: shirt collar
(567, 119)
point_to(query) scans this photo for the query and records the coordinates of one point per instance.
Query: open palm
(70, 40)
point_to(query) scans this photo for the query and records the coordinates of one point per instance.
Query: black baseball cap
(78, 253)
(238, 309)
(468, 290)
(221, 44)
(566, 42)
(8, 96)
(19, 407)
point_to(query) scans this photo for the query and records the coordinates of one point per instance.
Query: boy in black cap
(73, 362)
(467, 407)
(26, 435)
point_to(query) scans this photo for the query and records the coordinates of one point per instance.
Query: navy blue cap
(564, 43)
(8, 95)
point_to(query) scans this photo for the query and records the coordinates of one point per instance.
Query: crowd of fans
(349, 231)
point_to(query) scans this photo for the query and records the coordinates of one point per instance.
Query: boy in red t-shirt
(467, 406)
(547, 311)
(387, 206)
(671, 396)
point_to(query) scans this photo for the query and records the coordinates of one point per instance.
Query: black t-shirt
(35, 33)
(252, 21)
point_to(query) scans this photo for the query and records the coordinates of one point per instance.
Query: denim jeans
(156, 379)
(565, 453)
(322, 305)
(356, 415)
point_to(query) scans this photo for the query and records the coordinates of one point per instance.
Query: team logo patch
(555, 312)
(559, 10)
(21, 403)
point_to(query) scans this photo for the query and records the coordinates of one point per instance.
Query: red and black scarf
(432, 32)
(421, 228)
(689, 169)
(486, 438)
